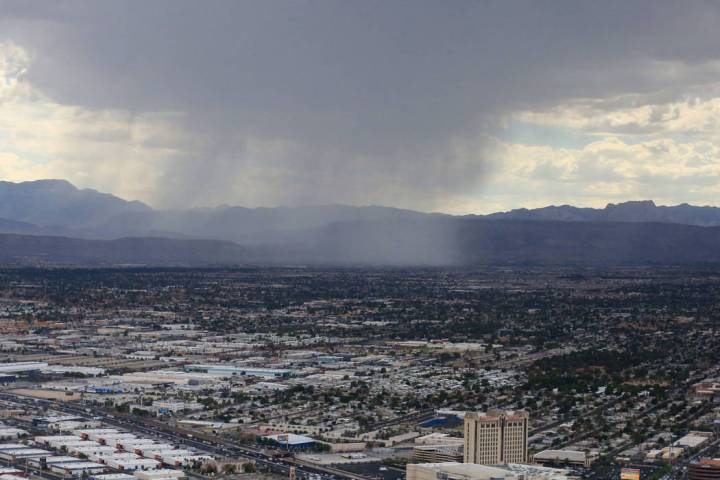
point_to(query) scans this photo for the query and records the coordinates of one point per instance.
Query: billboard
(629, 474)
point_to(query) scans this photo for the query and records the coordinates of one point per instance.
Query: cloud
(107, 149)
(14, 62)
(635, 115)
(603, 171)
(181, 103)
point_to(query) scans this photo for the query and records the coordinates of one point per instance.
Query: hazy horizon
(220, 206)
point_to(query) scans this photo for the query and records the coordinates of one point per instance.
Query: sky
(459, 106)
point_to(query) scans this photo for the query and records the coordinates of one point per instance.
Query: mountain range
(636, 211)
(53, 222)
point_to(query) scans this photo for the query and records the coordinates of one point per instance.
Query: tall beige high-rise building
(496, 437)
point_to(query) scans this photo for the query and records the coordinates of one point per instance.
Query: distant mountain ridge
(59, 203)
(56, 207)
(633, 211)
(85, 213)
(52, 222)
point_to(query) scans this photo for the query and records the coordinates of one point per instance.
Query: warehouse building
(77, 446)
(112, 439)
(131, 444)
(151, 450)
(160, 474)
(112, 476)
(13, 454)
(9, 471)
(167, 456)
(8, 433)
(21, 367)
(93, 452)
(93, 433)
(130, 464)
(43, 462)
(693, 440)
(77, 469)
(235, 370)
(52, 440)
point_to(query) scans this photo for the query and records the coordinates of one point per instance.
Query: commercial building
(693, 440)
(437, 453)
(52, 422)
(160, 474)
(131, 464)
(707, 390)
(55, 440)
(496, 437)
(132, 444)
(175, 407)
(150, 451)
(437, 438)
(112, 476)
(94, 452)
(471, 471)
(93, 433)
(21, 367)
(44, 462)
(705, 469)
(77, 469)
(14, 454)
(10, 471)
(113, 438)
(235, 370)
(7, 433)
(667, 454)
(72, 446)
(564, 457)
(290, 441)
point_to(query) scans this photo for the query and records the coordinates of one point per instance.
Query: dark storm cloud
(364, 100)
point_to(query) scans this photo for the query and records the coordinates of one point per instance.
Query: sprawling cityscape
(359, 374)
(359, 240)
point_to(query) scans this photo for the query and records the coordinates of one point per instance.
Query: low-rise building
(564, 457)
(7, 433)
(160, 474)
(437, 453)
(77, 469)
(473, 471)
(13, 454)
(693, 440)
(132, 464)
(704, 469)
(9, 471)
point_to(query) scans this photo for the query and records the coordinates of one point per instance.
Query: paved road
(419, 416)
